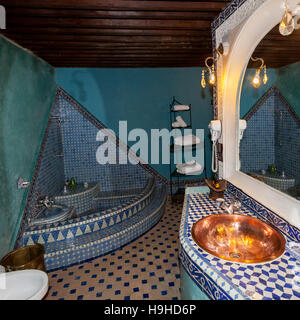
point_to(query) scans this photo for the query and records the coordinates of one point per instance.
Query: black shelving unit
(173, 172)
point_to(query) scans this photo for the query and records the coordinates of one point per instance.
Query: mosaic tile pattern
(226, 13)
(82, 199)
(48, 177)
(257, 148)
(147, 268)
(275, 180)
(272, 137)
(221, 279)
(98, 229)
(69, 146)
(134, 158)
(287, 139)
(80, 147)
(90, 223)
(95, 243)
(265, 214)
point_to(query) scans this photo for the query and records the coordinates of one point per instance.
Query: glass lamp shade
(256, 79)
(287, 24)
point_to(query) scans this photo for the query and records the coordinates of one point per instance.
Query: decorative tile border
(227, 20)
(265, 214)
(265, 97)
(226, 13)
(98, 243)
(203, 281)
(278, 279)
(83, 225)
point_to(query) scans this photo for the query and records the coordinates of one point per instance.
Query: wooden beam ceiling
(114, 33)
(126, 33)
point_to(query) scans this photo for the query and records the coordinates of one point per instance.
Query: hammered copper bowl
(238, 238)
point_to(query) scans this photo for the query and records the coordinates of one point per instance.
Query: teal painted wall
(288, 79)
(27, 90)
(249, 94)
(140, 96)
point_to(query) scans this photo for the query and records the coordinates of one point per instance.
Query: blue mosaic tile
(272, 128)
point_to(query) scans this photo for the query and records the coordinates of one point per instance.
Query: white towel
(181, 107)
(181, 121)
(187, 140)
(186, 164)
(176, 124)
(194, 169)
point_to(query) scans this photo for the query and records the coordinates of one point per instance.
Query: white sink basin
(23, 285)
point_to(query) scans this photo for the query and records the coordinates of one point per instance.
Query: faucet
(46, 202)
(234, 206)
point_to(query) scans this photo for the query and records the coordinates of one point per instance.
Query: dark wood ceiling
(277, 50)
(114, 33)
(124, 33)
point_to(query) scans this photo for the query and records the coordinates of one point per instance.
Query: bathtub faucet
(46, 202)
(234, 206)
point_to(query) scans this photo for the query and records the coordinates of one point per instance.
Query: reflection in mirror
(270, 103)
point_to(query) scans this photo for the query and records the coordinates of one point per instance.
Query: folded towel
(181, 107)
(193, 173)
(187, 140)
(181, 121)
(191, 170)
(186, 164)
(176, 124)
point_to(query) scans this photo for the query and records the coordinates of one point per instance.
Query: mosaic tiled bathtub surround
(224, 280)
(115, 203)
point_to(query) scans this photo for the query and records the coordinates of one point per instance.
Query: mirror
(270, 103)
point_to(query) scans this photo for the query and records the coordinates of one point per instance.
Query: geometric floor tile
(147, 268)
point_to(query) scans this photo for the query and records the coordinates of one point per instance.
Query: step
(78, 249)
(90, 223)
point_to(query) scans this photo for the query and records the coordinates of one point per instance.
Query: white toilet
(23, 285)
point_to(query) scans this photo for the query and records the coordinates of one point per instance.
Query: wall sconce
(289, 21)
(256, 78)
(211, 69)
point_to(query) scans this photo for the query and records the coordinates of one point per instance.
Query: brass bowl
(238, 238)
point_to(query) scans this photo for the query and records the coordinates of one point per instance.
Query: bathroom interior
(77, 223)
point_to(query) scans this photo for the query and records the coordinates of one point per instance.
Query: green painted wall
(27, 90)
(288, 82)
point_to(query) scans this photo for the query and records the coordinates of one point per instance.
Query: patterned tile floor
(147, 268)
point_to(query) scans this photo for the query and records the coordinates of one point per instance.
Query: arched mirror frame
(242, 26)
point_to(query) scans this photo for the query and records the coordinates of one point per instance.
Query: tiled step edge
(99, 243)
(93, 222)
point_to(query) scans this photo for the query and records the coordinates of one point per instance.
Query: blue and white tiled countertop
(224, 280)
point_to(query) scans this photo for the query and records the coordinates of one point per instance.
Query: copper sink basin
(238, 238)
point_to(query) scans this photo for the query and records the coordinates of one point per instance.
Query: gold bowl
(238, 238)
